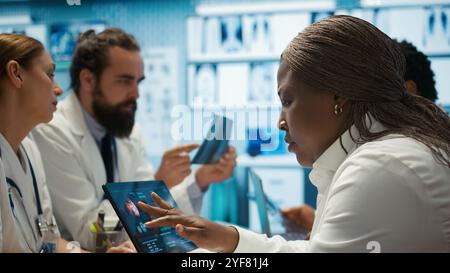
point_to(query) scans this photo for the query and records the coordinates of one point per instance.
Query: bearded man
(93, 140)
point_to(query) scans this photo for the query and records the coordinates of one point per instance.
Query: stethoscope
(41, 222)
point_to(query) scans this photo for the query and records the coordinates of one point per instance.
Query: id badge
(49, 238)
(42, 225)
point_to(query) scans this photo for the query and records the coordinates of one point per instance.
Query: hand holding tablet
(125, 197)
(215, 144)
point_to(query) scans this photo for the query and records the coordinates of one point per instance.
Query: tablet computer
(124, 197)
(215, 144)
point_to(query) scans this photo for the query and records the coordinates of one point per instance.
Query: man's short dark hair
(418, 69)
(91, 52)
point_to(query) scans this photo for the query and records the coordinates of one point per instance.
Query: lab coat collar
(330, 160)
(96, 129)
(74, 115)
(72, 111)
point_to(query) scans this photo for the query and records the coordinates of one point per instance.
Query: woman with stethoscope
(28, 94)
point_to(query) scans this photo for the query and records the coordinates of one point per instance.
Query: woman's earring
(282, 125)
(337, 110)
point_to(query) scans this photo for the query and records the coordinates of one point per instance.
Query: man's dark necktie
(107, 155)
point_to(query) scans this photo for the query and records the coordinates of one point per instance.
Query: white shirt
(388, 195)
(18, 228)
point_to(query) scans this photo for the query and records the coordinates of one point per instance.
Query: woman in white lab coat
(380, 156)
(28, 94)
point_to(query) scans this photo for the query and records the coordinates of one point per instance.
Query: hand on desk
(303, 216)
(205, 234)
(126, 247)
(212, 173)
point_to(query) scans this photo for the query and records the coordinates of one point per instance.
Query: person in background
(28, 94)
(93, 139)
(419, 77)
(419, 80)
(380, 156)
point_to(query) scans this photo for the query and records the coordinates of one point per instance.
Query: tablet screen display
(124, 196)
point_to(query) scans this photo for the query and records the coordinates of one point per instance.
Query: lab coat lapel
(94, 161)
(89, 150)
(7, 218)
(125, 158)
(11, 238)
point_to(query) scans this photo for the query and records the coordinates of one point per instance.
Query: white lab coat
(19, 233)
(75, 171)
(388, 195)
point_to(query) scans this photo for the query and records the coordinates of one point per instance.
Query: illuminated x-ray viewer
(216, 143)
(124, 197)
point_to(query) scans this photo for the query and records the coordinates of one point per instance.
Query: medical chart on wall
(158, 95)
